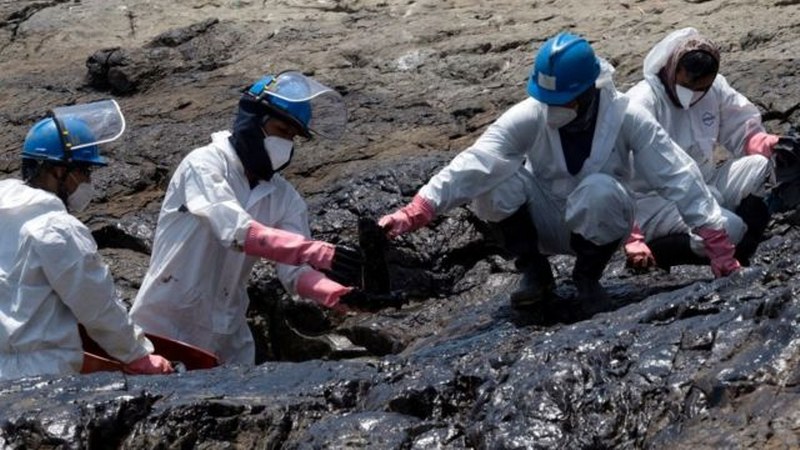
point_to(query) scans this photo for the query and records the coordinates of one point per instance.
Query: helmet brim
(549, 97)
(98, 161)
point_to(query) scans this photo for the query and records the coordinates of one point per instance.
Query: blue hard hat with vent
(565, 67)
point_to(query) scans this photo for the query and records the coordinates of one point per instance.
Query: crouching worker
(701, 112)
(553, 171)
(51, 276)
(226, 206)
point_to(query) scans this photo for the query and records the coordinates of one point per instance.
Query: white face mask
(686, 96)
(279, 151)
(80, 198)
(558, 116)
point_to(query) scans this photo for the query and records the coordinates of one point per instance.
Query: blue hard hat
(44, 142)
(565, 67)
(280, 95)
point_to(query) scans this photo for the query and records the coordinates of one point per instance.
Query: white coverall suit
(722, 117)
(195, 289)
(519, 160)
(51, 278)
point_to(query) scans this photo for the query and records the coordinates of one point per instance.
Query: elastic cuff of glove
(716, 242)
(420, 211)
(251, 237)
(424, 205)
(761, 144)
(316, 286)
(708, 233)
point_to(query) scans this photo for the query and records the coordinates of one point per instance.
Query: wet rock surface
(678, 359)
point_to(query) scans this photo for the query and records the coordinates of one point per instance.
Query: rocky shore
(681, 360)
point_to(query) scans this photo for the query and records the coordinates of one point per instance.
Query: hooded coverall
(519, 161)
(51, 279)
(195, 289)
(722, 117)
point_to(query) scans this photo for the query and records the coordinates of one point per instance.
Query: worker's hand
(347, 266)
(295, 249)
(638, 255)
(149, 365)
(719, 250)
(317, 286)
(761, 144)
(787, 150)
(411, 217)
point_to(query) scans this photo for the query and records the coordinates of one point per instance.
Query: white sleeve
(495, 156)
(83, 282)
(209, 196)
(668, 170)
(739, 118)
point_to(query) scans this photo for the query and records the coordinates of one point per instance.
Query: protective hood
(662, 61)
(606, 77)
(247, 139)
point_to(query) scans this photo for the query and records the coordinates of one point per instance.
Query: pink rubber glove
(761, 144)
(316, 286)
(287, 247)
(638, 254)
(719, 250)
(413, 216)
(148, 365)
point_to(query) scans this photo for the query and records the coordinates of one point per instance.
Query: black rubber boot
(755, 213)
(519, 237)
(590, 262)
(675, 250)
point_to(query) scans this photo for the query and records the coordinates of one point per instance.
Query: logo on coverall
(708, 119)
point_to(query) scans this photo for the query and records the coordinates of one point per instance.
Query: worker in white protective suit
(700, 111)
(552, 171)
(226, 206)
(51, 276)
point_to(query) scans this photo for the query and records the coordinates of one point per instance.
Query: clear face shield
(322, 109)
(88, 124)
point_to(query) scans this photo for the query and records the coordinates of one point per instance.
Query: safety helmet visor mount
(103, 122)
(67, 138)
(71, 135)
(302, 101)
(63, 136)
